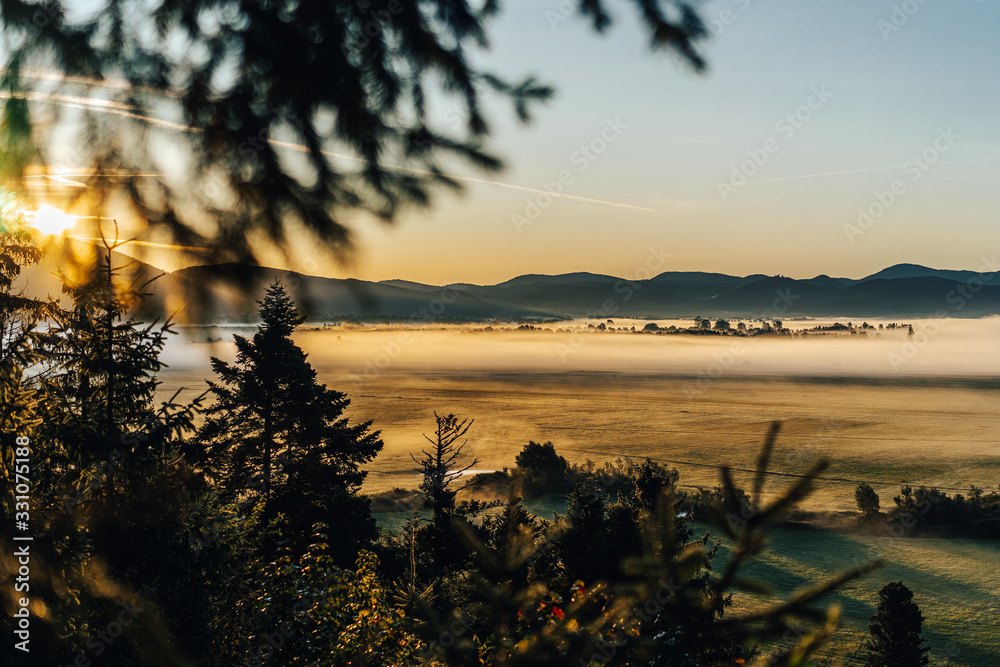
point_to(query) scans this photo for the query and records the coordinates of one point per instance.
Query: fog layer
(948, 347)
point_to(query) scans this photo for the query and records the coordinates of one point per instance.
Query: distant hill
(916, 271)
(220, 291)
(408, 284)
(824, 280)
(561, 279)
(904, 290)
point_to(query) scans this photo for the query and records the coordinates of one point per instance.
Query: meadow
(955, 583)
(647, 396)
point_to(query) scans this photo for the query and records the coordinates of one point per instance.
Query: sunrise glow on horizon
(824, 139)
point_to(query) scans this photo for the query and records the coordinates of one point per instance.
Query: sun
(49, 220)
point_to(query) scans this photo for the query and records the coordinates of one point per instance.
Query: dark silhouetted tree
(111, 497)
(19, 318)
(101, 378)
(585, 544)
(867, 500)
(895, 639)
(19, 312)
(543, 470)
(441, 552)
(652, 481)
(276, 435)
(673, 609)
(438, 468)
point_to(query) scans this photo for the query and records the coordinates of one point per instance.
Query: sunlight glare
(51, 221)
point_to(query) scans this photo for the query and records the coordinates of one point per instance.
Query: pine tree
(441, 549)
(19, 317)
(895, 630)
(110, 495)
(100, 380)
(438, 470)
(867, 500)
(276, 436)
(18, 312)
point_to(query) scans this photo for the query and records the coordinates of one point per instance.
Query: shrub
(543, 470)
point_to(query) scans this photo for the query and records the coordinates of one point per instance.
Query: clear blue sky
(890, 93)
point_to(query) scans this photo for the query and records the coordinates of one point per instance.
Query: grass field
(937, 433)
(934, 432)
(955, 583)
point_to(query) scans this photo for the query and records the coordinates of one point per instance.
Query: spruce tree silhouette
(100, 384)
(867, 500)
(276, 436)
(895, 630)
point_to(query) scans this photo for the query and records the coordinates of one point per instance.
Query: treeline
(229, 529)
(540, 472)
(932, 512)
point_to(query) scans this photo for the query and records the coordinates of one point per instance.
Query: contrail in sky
(96, 104)
(128, 111)
(301, 148)
(107, 106)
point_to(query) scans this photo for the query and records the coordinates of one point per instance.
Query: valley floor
(934, 432)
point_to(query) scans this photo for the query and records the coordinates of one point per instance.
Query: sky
(827, 137)
(896, 107)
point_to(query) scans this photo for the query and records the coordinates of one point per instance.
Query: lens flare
(50, 221)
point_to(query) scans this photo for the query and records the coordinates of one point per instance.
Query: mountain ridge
(220, 293)
(907, 290)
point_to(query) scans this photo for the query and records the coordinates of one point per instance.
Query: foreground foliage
(283, 114)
